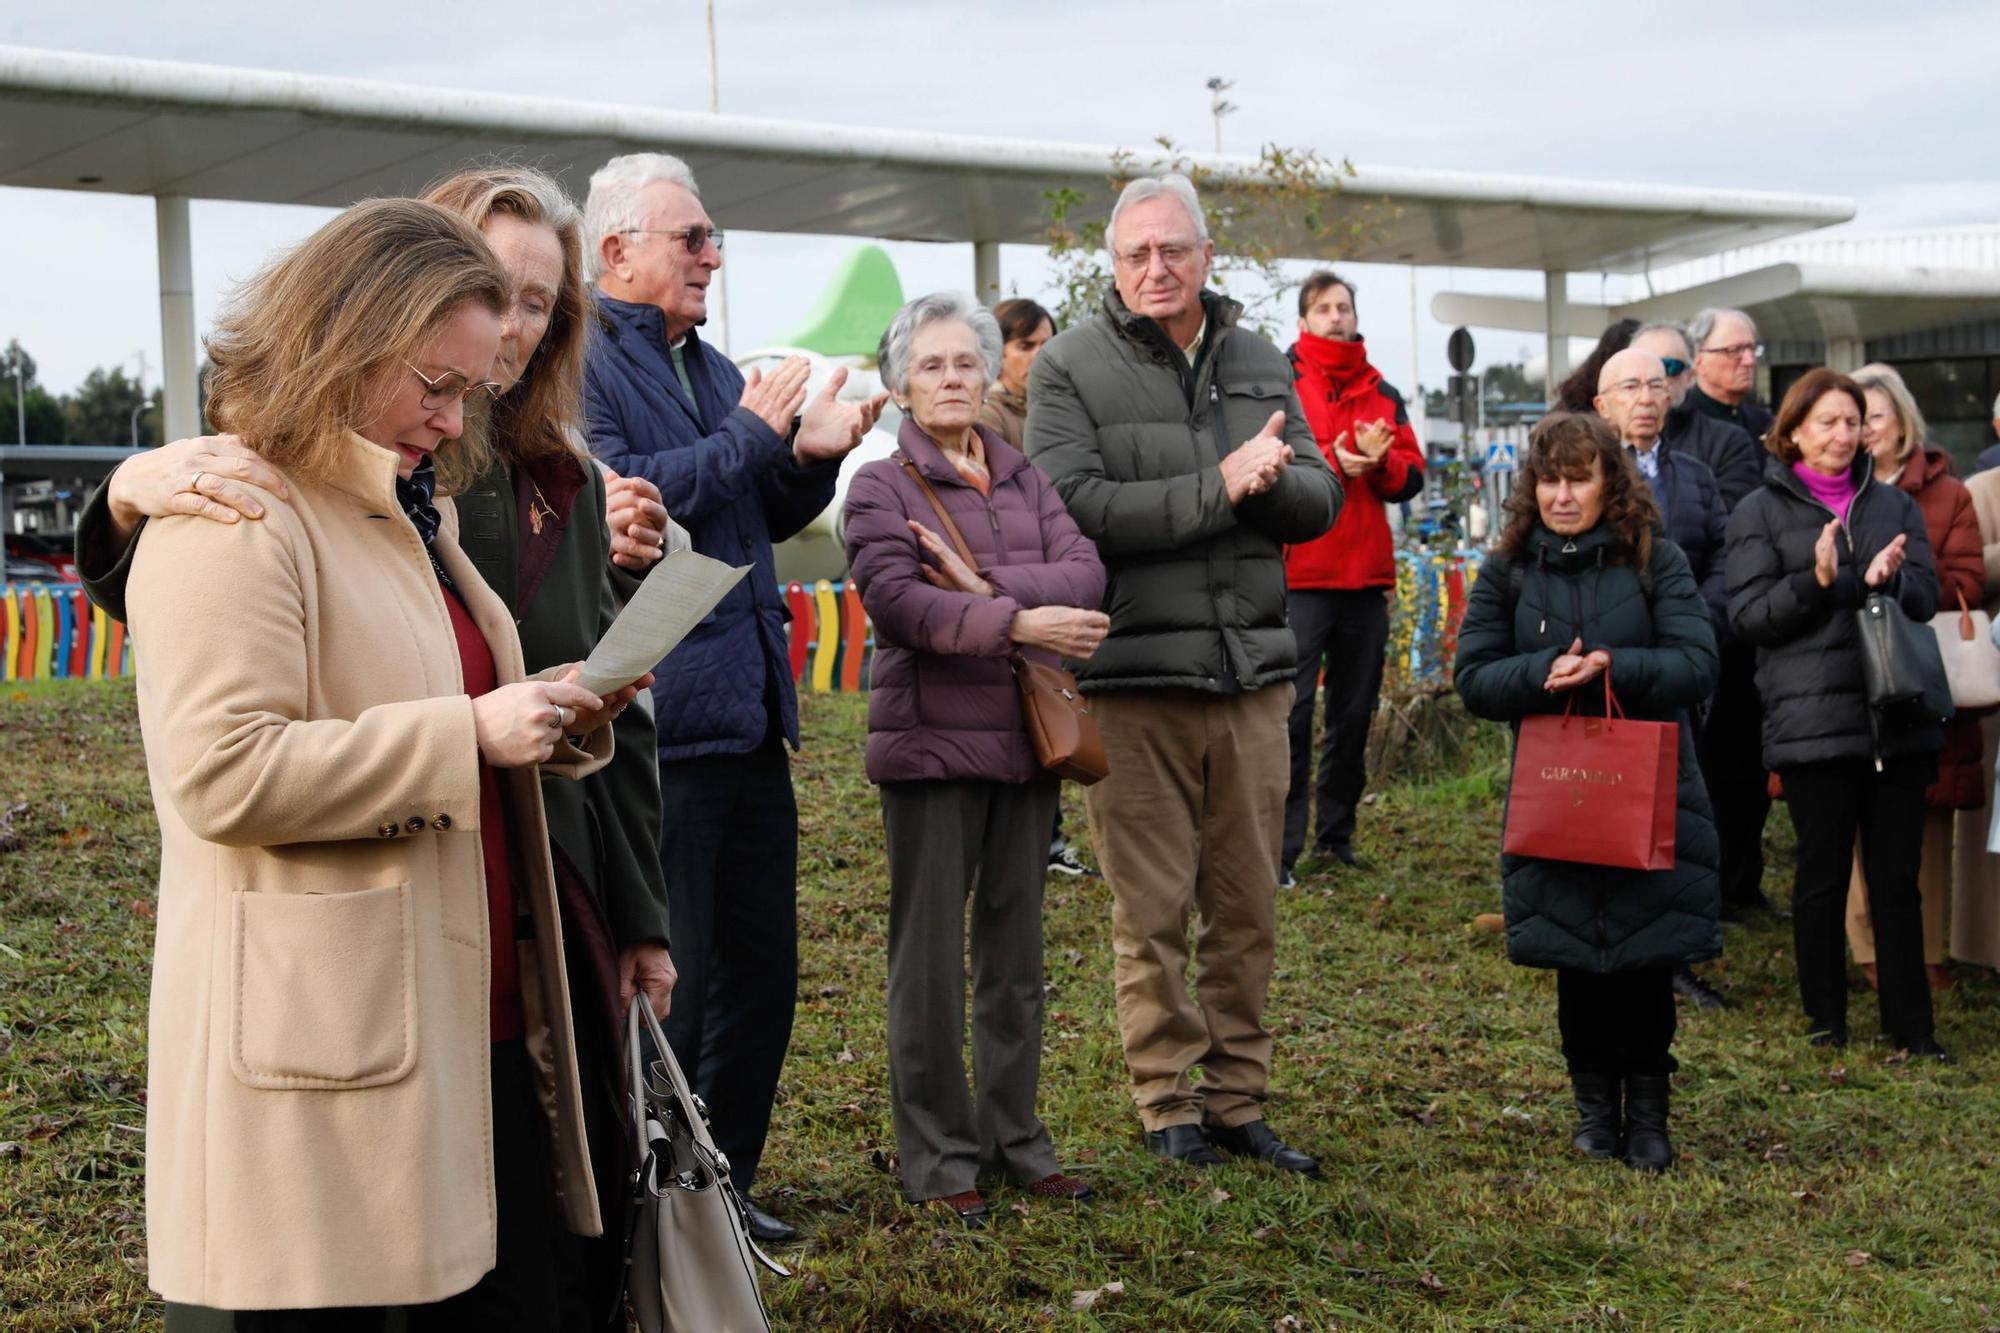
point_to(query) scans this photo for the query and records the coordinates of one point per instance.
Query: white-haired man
(1726, 352)
(1177, 442)
(740, 467)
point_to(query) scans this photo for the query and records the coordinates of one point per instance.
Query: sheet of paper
(671, 601)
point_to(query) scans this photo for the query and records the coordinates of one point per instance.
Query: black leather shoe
(1698, 992)
(1255, 1139)
(1182, 1143)
(1646, 1145)
(1597, 1097)
(1755, 903)
(1827, 1036)
(1343, 854)
(1927, 1048)
(766, 1229)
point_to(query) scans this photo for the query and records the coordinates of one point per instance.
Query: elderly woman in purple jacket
(966, 807)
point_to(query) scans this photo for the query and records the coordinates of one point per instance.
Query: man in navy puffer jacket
(740, 470)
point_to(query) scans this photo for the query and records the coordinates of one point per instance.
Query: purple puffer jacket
(942, 701)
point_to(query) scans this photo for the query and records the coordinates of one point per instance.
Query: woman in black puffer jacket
(1581, 581)
(1805, 549)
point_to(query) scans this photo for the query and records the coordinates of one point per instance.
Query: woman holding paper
(362, 1071)
(1806, 548)
(531, 523)
(1581, 593)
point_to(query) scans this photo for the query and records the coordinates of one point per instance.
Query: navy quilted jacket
(730, 480)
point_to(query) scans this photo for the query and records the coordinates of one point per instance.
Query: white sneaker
(1067, 862)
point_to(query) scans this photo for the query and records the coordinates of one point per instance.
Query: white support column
(180, 415)
(1555, 317)
(986, 271)
(1845, 354)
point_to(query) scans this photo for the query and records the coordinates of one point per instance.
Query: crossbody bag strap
(950, 528)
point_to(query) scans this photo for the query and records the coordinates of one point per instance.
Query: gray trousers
(950, 840)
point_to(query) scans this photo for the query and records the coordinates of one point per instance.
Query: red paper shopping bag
(1594, 789)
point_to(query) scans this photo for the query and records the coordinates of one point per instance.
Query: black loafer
(1827, 1036)
(766, 1229)
(1255, 1139)
(1182, 1143)
(1698, 992)
(1927, 1048)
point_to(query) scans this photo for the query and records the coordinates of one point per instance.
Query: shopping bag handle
(1611, 705)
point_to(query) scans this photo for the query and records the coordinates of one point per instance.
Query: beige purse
(693, 1265)
(1971, 661)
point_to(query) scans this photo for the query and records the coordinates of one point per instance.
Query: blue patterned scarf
(417, 494)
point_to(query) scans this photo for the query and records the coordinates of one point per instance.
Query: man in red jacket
(1340, 584)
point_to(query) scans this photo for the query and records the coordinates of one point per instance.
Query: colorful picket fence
(50, 631)
(1431, 588)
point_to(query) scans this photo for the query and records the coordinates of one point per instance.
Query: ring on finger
(194, 482)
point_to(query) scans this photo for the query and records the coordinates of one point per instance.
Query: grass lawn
(1814, 1191)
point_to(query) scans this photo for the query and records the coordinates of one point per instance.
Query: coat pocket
(322, 988)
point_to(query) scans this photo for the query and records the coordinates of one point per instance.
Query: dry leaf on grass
(1083, 1300)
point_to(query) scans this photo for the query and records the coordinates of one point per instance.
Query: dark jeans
(518, 1294)
(1617, 1023)
(1349, 632)
(1730, 747)
(730, 847)
(1830, 803)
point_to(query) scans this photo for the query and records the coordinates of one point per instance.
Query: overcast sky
(1891, 105)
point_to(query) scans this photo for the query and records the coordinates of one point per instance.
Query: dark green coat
(1133, 437)
(1663, 663)
(607, 825)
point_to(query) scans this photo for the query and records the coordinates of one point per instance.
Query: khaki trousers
(1190, 819)
(1933, 887)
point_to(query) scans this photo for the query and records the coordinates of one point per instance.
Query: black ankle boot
(1646, 1145)
(1597, 1114)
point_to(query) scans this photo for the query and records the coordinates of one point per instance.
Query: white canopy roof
(1809, 301)
(77, 121)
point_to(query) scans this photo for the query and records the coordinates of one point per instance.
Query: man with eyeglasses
(741, 468)
(1730, 743)
(1178, 443)
(1726, 352)
(1633, 394)
(1736, 460)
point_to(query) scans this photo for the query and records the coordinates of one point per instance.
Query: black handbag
(1901, 665)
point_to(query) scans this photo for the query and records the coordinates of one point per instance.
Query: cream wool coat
(319, 1114)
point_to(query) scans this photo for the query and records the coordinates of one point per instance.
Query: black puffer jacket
(1808, 650)
(1663, 663)
(1736, 459)
(1133, 438)
(1697, 521)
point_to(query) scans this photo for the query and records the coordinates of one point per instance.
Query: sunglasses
(696, 239)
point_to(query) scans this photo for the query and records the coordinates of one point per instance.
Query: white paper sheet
(671, 601)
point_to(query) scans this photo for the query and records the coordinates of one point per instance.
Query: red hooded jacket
(1341, 393)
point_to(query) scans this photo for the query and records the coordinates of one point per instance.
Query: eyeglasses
(1657, 388)
(1735, 352)
(453, 387)
(696, 239)
(1173, 255)
(1673, 366)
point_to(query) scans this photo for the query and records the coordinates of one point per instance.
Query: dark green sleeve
(103, 566)
(625, 793)
(1308, 494)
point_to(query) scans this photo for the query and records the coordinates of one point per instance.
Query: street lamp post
(1219, 107)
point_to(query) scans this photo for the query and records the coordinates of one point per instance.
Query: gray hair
(1667, 326)
(1704, 323)
(892, 358)
(613, 204)
(1175, 186)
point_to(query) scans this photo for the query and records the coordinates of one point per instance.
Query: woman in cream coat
(1975, 880)
(361, 1055)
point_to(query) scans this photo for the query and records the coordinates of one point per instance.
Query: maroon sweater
(475, 662)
